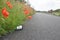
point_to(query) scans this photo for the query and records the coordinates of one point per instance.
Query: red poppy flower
(5, 13)
(26, 12)
(4, 10)
(9, 4)
(29, 17)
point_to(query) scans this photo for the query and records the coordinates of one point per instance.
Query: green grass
(56, 13)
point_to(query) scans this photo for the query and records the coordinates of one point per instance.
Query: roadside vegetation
(12, 14)
(56, 12)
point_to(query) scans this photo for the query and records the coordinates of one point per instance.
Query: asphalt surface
(41, 27)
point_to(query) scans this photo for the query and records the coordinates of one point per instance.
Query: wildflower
(9, 5)
(29, 17)
(26, 12)
(7, 2)
(5, 12)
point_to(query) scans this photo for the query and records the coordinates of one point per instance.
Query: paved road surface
(41, 27)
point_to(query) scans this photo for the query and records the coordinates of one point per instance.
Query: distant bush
(57, 10)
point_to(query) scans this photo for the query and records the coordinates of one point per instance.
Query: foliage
(15, 17)
(56, 12)
(12, 14)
